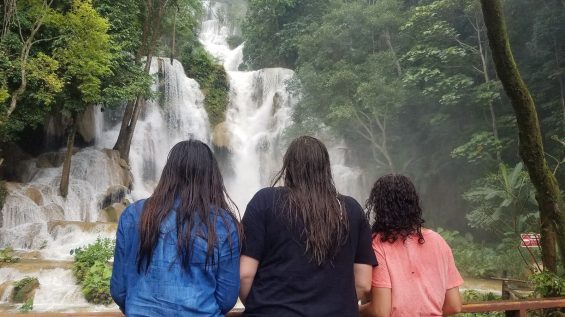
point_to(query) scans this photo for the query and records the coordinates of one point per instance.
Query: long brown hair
(191, 184)
(395, 208)
(313, 201)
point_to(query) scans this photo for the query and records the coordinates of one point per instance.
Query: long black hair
(313, 201)
(394, 207)
(191, 177)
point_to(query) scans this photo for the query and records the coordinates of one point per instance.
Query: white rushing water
(258, 115)
(177, 114)
(252, 141)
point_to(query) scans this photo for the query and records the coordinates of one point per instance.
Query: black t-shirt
(287, 283)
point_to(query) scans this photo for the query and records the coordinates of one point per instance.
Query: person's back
(419, 274)
(416, 275)
(177, 252)
(287, 282)
(307, 249)
(166, 289)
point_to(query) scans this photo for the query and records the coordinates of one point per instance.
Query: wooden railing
(513, 308)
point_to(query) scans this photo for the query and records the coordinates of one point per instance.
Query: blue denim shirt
(166, 289)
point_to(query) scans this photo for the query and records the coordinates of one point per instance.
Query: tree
(85, 56)
(272, 27)
(349, 75)
(23, 66)
(548, 195)
(152, 25)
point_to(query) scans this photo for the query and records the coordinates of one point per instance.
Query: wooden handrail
(517, 308)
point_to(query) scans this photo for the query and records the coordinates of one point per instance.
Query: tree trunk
(133, 109)
(531, 147)
(174, 37)
(64, 186)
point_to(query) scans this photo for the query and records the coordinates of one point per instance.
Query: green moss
(7, 257)
(23, 289)
(213, 81)
(27, 306)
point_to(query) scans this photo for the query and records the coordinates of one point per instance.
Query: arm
(118, 281)
(363, 273)
(452, 303)
(247, 269)
(227, 275)
(380, 304)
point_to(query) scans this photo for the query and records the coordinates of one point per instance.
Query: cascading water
(44, 227)
(258, 115)
(176, 114)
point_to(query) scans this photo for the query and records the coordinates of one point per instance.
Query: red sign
(530, 240)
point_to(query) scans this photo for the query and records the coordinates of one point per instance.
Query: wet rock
(24, 289)
(122, 167)
(221, 136)
(35, 195)
(113, 213)
(50, 159)
(86, 125)
(114, 194)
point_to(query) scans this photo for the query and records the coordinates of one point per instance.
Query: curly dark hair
(394, 206)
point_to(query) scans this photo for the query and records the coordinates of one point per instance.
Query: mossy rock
(24, 289)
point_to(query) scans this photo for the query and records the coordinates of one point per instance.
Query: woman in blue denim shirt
(177, 252)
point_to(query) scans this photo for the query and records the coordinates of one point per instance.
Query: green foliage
(85, 258)
(548, 284)
(271, 28)
(92, 271)
(477, 259)
(7, 257)
(213, 81)
(84, 53)
(482, 146)
(504, 202)
(27, 306)
(96, 284)
(470, 296)
(23, 288)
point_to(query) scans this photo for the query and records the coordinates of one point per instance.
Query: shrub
(548, 284)
(96, 284)
(100, 251)
(92, 271)
(480, 260)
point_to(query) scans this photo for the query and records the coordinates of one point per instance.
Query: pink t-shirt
(418, 274)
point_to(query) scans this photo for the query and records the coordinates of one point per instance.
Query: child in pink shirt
(416, 275)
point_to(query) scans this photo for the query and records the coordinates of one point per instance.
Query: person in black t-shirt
(306, 249)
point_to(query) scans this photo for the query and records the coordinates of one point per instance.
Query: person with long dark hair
(177, 252)
(417, 275)
(307, 249)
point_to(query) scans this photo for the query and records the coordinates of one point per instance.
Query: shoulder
(265, 198)
(353, 208)
(227, 221)
(132, 213)
(435, 238)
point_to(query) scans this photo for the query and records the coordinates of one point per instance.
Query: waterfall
(258, 114)
(176, 114)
